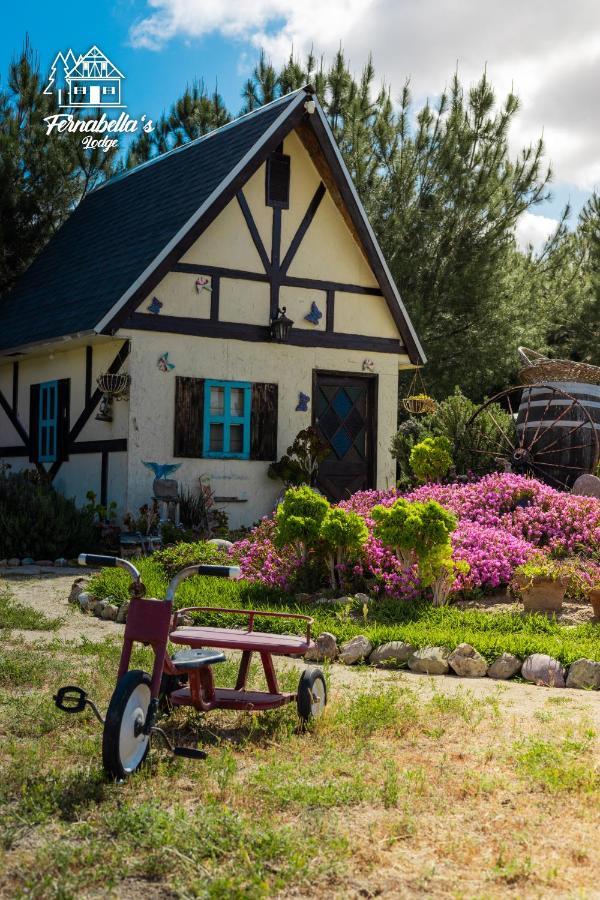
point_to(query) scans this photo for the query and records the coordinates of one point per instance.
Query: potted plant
(542, 583)
(594, 598)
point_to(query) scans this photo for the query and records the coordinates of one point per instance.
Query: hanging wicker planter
(418, 402)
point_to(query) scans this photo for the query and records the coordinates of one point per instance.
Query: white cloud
(533, 230)
(549, 52)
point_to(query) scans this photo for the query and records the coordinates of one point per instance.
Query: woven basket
(539, 368)
(114, 385)
(419, 405)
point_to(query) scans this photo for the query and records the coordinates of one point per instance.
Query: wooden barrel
(558, 433)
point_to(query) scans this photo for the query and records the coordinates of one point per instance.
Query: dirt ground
(490, 789)
(48, 594)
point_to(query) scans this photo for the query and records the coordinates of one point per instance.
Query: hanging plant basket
(112, 385)
(419, 404)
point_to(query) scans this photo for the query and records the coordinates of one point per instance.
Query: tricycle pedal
(70, 699)
(189, 753)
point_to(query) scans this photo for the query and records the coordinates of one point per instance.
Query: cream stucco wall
(81, 472)
(291, 368)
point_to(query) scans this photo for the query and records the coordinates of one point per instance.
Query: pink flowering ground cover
(503, 520)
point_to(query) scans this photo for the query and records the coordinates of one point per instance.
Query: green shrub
(431, 460)
(420, 533)
(37, 521)
(450, 420)
(298, 519)
(343, 534)
(300, 463)
(173, 559)
(410, 432)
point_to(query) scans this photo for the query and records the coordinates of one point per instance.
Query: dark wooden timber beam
(241, 331)
(260, 247)
(316, 284)
(303, 228)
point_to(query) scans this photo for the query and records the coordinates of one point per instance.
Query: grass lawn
(400, 788)
(386, 620)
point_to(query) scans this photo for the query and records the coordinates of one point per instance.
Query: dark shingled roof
(118, 230)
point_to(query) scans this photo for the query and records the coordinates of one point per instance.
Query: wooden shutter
(189, 416)
(263, 422)
(278, 181)
(34, 422)
(63, 419)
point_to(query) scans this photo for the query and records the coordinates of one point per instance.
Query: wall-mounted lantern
(280, 327)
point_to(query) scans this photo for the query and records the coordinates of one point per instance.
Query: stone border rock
(464, 661)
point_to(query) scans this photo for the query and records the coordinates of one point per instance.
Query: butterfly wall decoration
(203, 284)
(161, 470)
(315, 314)
(303, 401)
(156, 306)
(163, 363)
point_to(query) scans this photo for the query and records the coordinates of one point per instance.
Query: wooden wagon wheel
(552, 434)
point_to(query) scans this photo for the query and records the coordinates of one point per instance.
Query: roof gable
(119, 230)
(124, 237)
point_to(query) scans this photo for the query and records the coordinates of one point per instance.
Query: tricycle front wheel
(312, 694)
(124, 745)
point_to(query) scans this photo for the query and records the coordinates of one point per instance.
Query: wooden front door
(345, 414)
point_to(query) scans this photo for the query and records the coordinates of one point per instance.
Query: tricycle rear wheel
(312, 694)
(124, 745)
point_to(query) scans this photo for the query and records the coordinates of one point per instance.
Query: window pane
(216, 437)
(236, 438)
(237, 401)
(217, 401)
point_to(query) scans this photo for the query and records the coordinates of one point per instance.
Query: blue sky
(153, 78)
(550, 59)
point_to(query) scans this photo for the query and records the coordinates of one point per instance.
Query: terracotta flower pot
(594, 596)
(542, 594)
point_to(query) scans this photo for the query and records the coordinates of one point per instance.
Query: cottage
(93, 81)
(237, 285)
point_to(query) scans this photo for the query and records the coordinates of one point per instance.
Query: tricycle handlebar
(91, 559)
(216, 571)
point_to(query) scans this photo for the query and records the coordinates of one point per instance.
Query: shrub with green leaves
(451, 420)
(410, 432)
(431, 459)
(178, 557)
(37, 521)
(343, 534)
(419, 533)
(298, 519)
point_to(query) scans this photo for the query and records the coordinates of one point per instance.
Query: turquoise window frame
(227, 419)
(48, 421)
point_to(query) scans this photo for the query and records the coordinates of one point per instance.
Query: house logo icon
(89, 80)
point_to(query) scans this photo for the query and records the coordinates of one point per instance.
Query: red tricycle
(186, 677)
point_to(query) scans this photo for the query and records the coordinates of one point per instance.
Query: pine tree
(41, 178)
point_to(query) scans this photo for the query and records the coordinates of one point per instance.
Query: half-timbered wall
(93, 449)
(238, 255)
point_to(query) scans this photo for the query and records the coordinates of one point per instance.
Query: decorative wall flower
(315, 314)
(203, 284)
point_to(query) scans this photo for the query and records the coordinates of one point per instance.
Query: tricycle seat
(196, 658)
(237, 639)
